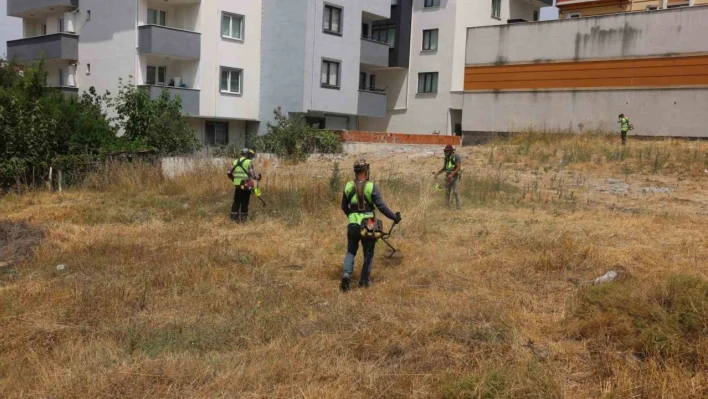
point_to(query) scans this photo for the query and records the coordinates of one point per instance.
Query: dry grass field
(162, 297)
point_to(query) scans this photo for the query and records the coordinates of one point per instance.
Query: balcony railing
(374, 53)
(372, 103)
(58, 46)
(190, 97)
(163, 40)
(26, 8)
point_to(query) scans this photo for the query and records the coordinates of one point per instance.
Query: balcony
(171, 42)
(374, 53)
(59, 46)
(372, 103)
(190, 97)
(67, 90)
(38, 8)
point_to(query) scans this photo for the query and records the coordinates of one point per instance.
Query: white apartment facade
(425, 97)
(205, 51)
(231, 62)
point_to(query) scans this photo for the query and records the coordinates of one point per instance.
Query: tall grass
(162, 296)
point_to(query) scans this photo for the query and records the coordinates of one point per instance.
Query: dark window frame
(431, 3)
(429, 82)
(328, 64)
(429, 39)
(327, 25)
(212, 141)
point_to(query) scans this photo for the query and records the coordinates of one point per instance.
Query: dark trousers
(624, 137)
(239, 209)
(353, 239)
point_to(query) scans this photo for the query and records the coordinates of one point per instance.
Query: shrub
(292, 137)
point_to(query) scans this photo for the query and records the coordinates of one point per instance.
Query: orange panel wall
(646, 72)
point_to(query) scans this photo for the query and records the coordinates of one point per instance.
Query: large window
(231, 81)
(332, 19)
(157, 17)
(496, 8)
(431, 3)
(385, 33)
(428, 82)
(330, 74)
(430, 39)
(232, 26)
(216, 133)
(156, 75)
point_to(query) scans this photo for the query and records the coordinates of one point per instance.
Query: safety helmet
(244, 151)
(449, 148)
(361, 166)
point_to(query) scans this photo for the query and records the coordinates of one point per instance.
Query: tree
(158, 123)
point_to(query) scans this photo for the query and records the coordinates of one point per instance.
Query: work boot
(235, 218)
(346, 278)
(244, 217)
(364, 284)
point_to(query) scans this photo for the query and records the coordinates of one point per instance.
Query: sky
(10, 28)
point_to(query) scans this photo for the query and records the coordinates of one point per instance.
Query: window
(496, 8)
(535, 15)
(430, 39)
(216, 133)
(574, 15)
(330, 73)
(231, 80)
(428, 82)
(43, 29)
(61, 25)
(364, 30)
(232, 26)
(332, 19)
(385, 33)
(88, 69)
(157, 17)
(431, 3)
(372, 82)
(362, 80)
(61, 77)
(156, 75)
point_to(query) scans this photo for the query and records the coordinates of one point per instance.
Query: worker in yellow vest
(360, 200)
(452, 167)
(243, 176)
(625, 127)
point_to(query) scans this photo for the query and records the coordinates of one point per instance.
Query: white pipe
(665, 4)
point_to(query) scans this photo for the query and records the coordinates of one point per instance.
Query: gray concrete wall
(282, 58)
(372, 104)
(662, 112)
(163, 40)
(60, 46)
(18, 8)
(666, 32)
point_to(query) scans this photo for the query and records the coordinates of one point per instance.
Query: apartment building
(205, 51)
(588, 8)
(424, 81)
(313, 55)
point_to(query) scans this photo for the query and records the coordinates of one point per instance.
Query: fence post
(59, 176)
(49, 183)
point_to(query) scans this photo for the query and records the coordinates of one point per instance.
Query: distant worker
(451, 167)
(359, 200)
(243, 175)
(625, 127)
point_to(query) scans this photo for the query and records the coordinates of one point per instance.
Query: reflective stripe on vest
(357, 216)
(625, 124)
(241, 172)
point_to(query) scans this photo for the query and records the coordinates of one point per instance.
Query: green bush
(292, 137)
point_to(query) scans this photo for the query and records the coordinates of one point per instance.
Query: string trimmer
(375, 231)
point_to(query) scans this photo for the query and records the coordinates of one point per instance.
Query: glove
(398, 218)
